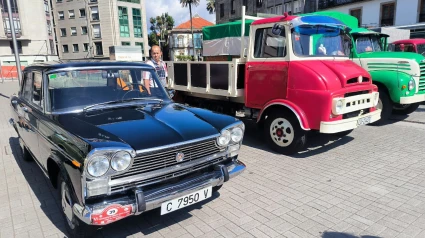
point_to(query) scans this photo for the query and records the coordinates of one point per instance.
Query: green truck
(400, 76)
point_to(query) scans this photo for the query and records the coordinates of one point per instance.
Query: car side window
(269, 45)
(37, 89)
(27, 87)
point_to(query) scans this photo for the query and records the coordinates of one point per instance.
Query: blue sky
(174, 8)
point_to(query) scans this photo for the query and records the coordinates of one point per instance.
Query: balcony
(324, 4)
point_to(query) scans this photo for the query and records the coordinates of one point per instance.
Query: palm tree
(211, 6)
(190, 3)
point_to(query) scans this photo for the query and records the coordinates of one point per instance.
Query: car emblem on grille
(179, 157)
(360, 79)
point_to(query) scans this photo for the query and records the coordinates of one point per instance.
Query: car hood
(146, 126)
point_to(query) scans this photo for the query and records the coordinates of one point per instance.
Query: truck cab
(293, 76)
(408, 45)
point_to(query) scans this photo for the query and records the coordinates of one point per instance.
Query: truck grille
(167, 157)
(422, 78)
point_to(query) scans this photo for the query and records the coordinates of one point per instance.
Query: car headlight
(224, 138)
(339, 106)
(121, 161)
(236, 134)
(98, 166)
(411, 84)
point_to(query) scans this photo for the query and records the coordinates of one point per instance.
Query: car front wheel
(284, 134)
(74, 226)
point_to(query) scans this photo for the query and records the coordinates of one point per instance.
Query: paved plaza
(370, 183)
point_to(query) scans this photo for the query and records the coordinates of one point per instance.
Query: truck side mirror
(277, 29)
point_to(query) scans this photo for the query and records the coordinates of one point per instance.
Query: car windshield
(85, 88)
(320, 41)
(420, 48)
(368, 43)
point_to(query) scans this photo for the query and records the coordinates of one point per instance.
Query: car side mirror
(277, 29)
(171, 92)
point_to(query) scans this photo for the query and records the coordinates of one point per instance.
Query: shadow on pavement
(2, 95)
(146, 223)
(328, 234)
(316, 143)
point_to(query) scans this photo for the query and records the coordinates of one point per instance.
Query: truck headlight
(224, 138)
(98, 166)
(411, 84)
(121, 161)
(339, 105)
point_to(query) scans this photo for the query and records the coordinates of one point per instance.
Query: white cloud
(174, 8)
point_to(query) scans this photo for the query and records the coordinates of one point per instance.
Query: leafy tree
(159, 31)
(211, 6)
(190, 3)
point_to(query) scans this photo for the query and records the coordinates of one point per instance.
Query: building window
(125, 43)
(63, 31)
(245, 3)
(19, 46)
(96, 31)
(65, 49)
(93, 1)
(58, 0)
(387, 14)
(73, 31)
(16, 24)
(141, 45)
(86, 47)
(46, 8)
(84, 30)
(98, 48)
(83, 12)
(358, 14)
(422, 11)
(75, 47)
(132, 1)
(49, 27)
(123, 19)
(279, 9)
(52, 47)
(71, 14)
(61, 15)
(222, 10)
(94, 13)
(137, 23)
(232, 7)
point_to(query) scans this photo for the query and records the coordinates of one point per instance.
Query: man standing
(160, 67)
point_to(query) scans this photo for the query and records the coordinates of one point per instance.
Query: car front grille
(164, 158)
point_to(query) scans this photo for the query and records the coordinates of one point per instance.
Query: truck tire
(74, 226)
(400, 109)
(284, 134)
(386, 105)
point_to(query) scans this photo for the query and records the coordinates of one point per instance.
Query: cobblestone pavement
(370, 183)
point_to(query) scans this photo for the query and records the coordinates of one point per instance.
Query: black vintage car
(114, 150)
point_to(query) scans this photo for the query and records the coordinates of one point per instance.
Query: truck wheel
(74, 226)
(284, 134)
(385, 104)
(401, 109)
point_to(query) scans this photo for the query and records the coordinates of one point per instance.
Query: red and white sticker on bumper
(111, 214)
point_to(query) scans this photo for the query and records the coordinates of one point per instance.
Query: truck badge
(360, 79)
(179, 157)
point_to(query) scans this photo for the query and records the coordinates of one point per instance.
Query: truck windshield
(320, 41)
(77, 89)
(420, 48)
(369, 43)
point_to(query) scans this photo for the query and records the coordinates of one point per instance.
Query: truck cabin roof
(300, 20)
(410, 41)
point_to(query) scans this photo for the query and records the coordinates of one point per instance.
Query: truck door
(266, 68)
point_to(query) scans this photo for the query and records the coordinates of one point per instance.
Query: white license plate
(363, 121)
(185, 201)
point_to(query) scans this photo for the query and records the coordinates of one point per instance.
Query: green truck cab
(400, 76)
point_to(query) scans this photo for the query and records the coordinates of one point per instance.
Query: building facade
(180, 38)
(88, 28)
(34, 34)
(231, 10)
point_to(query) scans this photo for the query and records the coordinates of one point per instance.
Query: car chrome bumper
(143, 201)
(412, 99)
(330, 127)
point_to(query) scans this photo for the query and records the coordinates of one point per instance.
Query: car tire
(405, 110)
(74, 226)
(386, 105)
(283, 133)
(26, 155)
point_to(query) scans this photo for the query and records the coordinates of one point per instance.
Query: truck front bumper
(142, 201)
(330, 127)
(412, 99)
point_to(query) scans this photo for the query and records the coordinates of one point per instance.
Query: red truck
(408, 45)
(293, 76)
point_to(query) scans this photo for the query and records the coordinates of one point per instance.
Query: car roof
(51, 65)
(414, 41)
